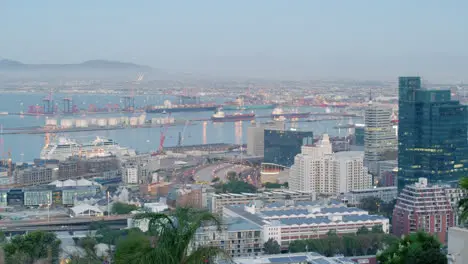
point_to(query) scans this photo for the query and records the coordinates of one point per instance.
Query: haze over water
(28, 147)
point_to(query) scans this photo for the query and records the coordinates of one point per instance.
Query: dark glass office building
(281, 146)
(432, 134)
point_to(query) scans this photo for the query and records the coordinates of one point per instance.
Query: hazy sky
(310, 39)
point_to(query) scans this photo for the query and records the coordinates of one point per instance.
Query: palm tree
(168, 239)
(463, 204)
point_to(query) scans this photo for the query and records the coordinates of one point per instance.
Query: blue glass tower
(281, 146)
(432, 134)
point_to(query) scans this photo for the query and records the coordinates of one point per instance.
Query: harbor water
(26, 147)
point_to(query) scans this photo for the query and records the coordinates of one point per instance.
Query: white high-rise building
(130, 175)
(318, 169)
(379, 135)
(255, 139)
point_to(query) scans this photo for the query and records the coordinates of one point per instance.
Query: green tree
(370, 204)
(172, 235)
(236, 187)
(231, 175)
(416, 248)
(463, 204)
(2, 238)
(32, 247)
(362, 231)
(271, 247)
(123, 208)
(348, 245)
(272, 185)
(331, 233)
(377, 229)
(215, 179)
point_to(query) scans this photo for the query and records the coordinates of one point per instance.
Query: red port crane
(162, 137)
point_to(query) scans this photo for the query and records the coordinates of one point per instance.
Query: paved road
(219, 170)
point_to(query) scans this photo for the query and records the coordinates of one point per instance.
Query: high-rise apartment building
(255, 138)
(432, 134)
(317, 169)
(379, 137)
(281, 146)
(422, 206)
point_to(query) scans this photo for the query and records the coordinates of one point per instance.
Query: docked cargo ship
(278, 113)
(64, 148)
(220, 116)
(168, 107)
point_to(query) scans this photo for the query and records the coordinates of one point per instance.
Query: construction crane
(129, 101)
(162, 137)
(182, 134)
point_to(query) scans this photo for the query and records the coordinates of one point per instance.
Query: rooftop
(294, 258)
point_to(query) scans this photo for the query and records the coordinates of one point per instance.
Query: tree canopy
(416, 248)
(348, 245)
(123, 208)
(168, 239)
(271, 247)
(463, 204)
(375, 205)
(272, 185)
(32, 247)
(236, 187)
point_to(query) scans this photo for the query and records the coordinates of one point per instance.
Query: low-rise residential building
(422, 206)
(219, 200)
(155, 207)
(70, 194)
(288, 221)
(193, 195)
(299, 258)
(386, 194)
(38, 196)
(36, 175)
(238, 237)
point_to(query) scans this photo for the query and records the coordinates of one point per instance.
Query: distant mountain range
(87, 65)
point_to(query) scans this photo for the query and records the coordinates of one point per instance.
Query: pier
(317, 117)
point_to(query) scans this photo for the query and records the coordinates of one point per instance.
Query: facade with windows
(38, 196)
(423, 207)
(432, 134)
(3, 197)
(386, 194)
(70, 194)
(317, 169)
(217, 201)
(287, 222)
(238, 237)
(281, 146)
(378, 136)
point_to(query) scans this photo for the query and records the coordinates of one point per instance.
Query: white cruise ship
(64, 148)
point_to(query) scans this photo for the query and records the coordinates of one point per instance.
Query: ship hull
(232, 118)
(181, 109)
(291, 115)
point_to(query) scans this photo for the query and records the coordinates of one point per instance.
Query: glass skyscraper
(432, 134)
(281, 146)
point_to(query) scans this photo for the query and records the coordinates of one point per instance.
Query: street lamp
(48, 207)
(108, 211)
